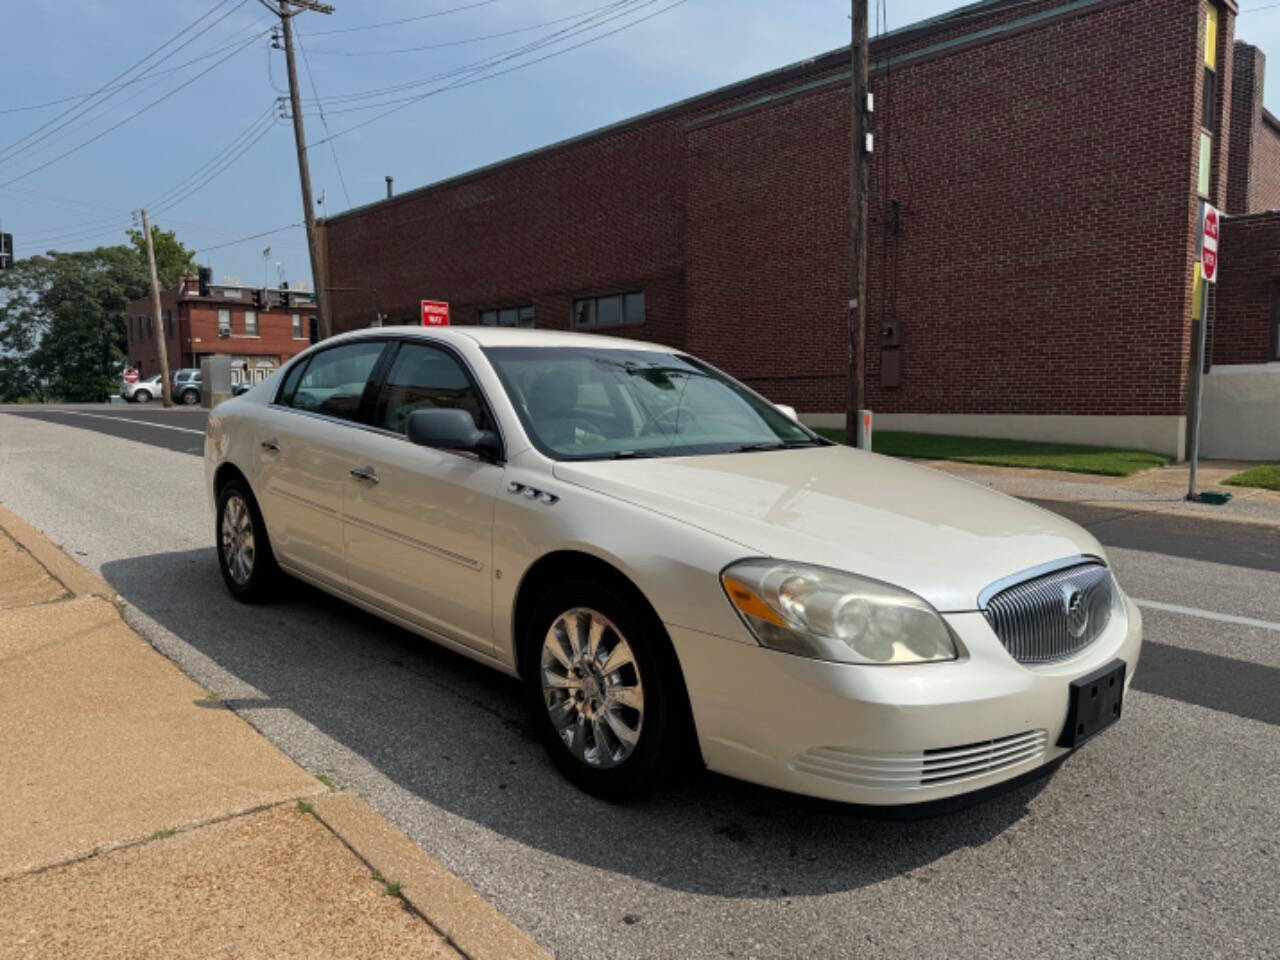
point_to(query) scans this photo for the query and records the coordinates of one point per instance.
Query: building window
(251, 323)
(613, 310)
(297, 326)
(224, 322)
(507, 317)
(1208, 101)
(1206, 162)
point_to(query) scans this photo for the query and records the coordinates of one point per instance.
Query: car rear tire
(141, 396)
(190, 397)
(605, 691)
(244, 551)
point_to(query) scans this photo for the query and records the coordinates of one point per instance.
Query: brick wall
(601, 216)
(1266, 168)
(1254, 176)
(1246, 299)
(1039, 261)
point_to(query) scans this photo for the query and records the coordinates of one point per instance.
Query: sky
(73, 170)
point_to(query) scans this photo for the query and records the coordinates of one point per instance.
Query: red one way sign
(1209, 244)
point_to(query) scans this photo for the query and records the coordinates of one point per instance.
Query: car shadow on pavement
(456, 734)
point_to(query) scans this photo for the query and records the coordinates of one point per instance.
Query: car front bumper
(887, 735)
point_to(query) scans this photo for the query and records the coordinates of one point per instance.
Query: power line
(458, 43)
(74, 113)
(394, 23)
(116, 126)
(252, 236)
(208, 178)
(520, 66)
(259, 30)
(262, 122)
(612, 11)
(324, 120)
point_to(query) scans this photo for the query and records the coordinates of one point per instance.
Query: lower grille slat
(1054, 616)
(929, 768)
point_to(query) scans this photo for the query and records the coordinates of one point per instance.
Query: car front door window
(425, 378)
(334, 381)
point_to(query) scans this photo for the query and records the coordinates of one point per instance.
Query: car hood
(943, 538)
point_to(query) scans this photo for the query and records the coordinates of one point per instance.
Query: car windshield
(586, 403)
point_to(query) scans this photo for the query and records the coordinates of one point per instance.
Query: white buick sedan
(674, 566)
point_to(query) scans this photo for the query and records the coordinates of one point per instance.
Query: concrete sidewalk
(144, 819)
(1163, 489)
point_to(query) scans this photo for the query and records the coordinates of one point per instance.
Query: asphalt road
(1156, 840)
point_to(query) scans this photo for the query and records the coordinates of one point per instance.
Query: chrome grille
(1054, 616)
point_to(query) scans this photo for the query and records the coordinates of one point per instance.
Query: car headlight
(829, 615)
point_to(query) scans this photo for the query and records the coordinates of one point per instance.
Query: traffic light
(315, 330)
(285, 297)
(206, 278)
(6, 251)
(259, 298)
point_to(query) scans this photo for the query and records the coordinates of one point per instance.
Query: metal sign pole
(1199, 388)
(1207, 248)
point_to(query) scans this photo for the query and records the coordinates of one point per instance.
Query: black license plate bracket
(1093, 704)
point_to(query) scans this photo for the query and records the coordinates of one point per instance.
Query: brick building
(1035, 191)
(220, 319)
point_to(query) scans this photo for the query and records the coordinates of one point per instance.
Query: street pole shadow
(456, 734)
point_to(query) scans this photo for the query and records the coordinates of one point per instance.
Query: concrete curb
(470, 923)
(61, 567)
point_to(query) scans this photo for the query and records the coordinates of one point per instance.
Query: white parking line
(145, 423)
(1209, 615)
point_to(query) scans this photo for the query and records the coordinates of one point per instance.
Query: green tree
(62, 334)
(173, 260)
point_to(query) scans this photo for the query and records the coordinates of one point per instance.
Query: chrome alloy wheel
(591, 687)
(237, 539)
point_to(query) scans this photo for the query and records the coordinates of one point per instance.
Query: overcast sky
(55, 50)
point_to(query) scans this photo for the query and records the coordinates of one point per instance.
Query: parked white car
(144, 391)
(673, 565)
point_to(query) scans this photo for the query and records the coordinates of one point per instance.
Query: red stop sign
(131, 376)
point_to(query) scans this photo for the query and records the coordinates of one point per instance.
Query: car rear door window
(423, 377)
(334, 381)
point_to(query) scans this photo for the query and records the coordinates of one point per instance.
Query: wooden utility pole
(300, 140)
(859, 182)
(162, 342)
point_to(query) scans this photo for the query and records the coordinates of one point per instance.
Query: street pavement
(1156, 840)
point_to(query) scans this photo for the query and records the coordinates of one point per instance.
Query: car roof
(513, 337)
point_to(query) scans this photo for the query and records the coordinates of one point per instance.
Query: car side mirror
(787, 411)
(452, 429)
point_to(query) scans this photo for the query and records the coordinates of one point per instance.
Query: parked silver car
(144, 391)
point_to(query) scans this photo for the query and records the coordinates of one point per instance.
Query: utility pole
(859, 182)
(300, 139)
(162, 343)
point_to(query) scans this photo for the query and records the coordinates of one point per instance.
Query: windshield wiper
(767, 445)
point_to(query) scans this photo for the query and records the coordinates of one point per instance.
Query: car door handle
(365, 473)
(271, 445)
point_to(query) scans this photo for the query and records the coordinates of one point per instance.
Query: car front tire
(141, 396)
(605, 691)
(244, 551)
(190, 397)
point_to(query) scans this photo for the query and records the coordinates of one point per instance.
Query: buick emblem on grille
(1076, 609)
